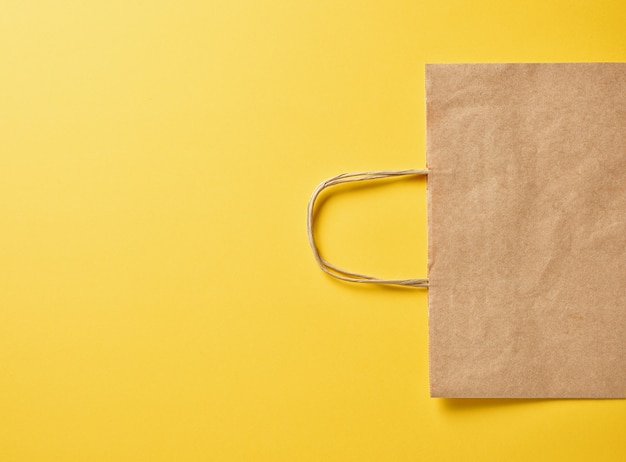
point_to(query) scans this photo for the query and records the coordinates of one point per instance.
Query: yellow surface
(158, 298)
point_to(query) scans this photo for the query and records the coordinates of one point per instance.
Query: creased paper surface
(527, 230)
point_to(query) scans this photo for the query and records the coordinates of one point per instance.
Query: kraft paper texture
(527, 230)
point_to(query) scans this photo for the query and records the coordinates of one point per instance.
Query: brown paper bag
(527, 230)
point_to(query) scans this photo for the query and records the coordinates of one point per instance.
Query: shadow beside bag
(526, 230)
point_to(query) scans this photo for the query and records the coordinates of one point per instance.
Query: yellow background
(158, 298)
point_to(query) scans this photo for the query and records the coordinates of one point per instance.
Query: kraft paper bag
(527, 230)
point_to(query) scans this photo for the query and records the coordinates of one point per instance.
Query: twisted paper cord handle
(335, 271)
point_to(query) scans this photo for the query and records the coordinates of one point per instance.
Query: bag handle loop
(335, 271)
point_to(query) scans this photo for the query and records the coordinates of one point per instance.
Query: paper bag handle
(335, 271)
